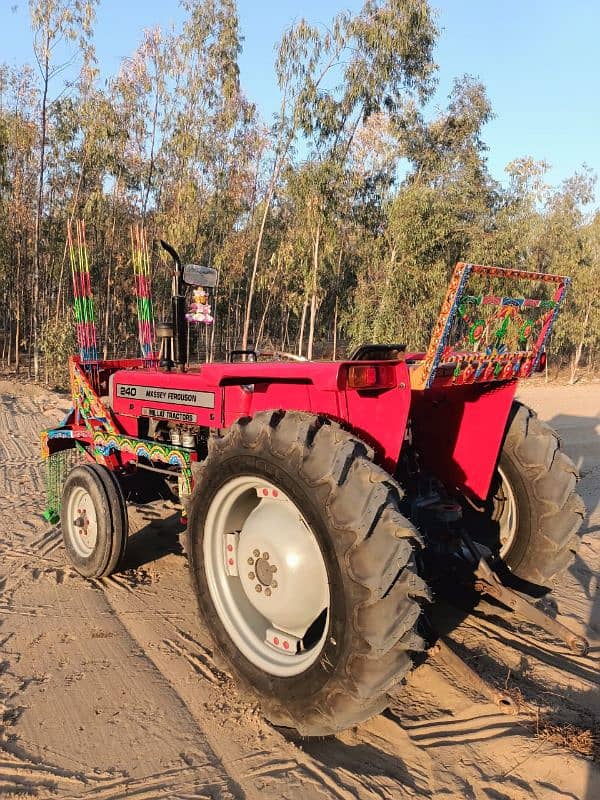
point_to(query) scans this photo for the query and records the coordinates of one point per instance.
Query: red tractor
(323, 499)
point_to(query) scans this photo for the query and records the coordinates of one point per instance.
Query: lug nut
(258, 587)
(268, 592)
(273, 569)
(251, 575)
(273, 584)
(266, 556)
(256, 553)
(250, 562)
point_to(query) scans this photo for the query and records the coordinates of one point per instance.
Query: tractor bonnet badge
(158, 394)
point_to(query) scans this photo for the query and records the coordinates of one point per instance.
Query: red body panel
(135, 392)
(459, 432)
(230, 391)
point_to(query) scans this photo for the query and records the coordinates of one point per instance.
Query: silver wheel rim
(266, 576)
(505, 513)
(82, 522)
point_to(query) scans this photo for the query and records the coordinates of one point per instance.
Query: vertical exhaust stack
(180, 355)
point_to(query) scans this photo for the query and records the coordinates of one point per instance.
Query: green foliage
(341, 219)
(57, 343)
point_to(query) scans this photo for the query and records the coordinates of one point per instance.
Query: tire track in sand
(92, 724)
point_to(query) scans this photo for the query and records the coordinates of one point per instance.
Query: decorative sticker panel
(493, 325)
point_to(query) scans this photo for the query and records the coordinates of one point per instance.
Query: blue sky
(538, 60)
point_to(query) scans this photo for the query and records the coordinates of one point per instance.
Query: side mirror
(196, 275)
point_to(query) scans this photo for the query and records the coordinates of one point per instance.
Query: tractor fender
(458, 433)
(378, 416)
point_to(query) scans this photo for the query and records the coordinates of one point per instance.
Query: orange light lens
(371, 376)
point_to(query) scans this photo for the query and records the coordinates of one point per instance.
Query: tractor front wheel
(93, 520)
(533, 513)
(304, 569)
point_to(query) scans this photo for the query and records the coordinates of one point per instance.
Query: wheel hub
(285, 577)
(83, 522)
(265, 571)
(266, 575)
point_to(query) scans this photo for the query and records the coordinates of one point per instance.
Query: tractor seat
(378, 352)
(164, 330)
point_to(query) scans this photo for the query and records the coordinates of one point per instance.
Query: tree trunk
(262, 321)
(337, 302)
(576, 358)
(285, 344)
(302, 323)
(38, 216)
(261, 233)
(151, 159)
(313, 299)
(335, 319)
(18, 310)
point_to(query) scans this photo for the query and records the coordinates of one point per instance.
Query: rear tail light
(371, 376)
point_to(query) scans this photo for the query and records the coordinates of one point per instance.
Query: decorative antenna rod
(143, 291)
(85, 319)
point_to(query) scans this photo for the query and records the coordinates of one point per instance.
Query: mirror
(196, 275)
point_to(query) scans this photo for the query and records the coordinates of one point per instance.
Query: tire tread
(375, 546)
(553, 477)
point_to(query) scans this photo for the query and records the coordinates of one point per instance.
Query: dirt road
(109, 689)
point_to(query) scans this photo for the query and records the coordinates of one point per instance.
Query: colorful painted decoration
(106, 443)
(476, 331)
(85, 319)
(87, 403)
(488, 335)
(143, 291)
(525, 332)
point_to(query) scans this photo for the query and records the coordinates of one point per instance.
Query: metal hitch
(489, 583)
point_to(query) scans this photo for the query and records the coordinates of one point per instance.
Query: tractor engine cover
(168, 396)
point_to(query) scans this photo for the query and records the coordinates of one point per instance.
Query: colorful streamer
(143, 290)
(85, 319)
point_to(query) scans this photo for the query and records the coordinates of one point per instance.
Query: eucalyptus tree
(54, 23)
(280, 138)
(359, 66)
(142, 94)
(19, 106)
(568, 244)
(440, 214)
(210, 148)
(204, 121)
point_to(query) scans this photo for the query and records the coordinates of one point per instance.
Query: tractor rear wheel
(533, 512)
(93, 520)
(305, 569)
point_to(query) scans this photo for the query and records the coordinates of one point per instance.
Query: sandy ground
(108, 689)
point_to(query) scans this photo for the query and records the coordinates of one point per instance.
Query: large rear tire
(296, 492)
(533, 513)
